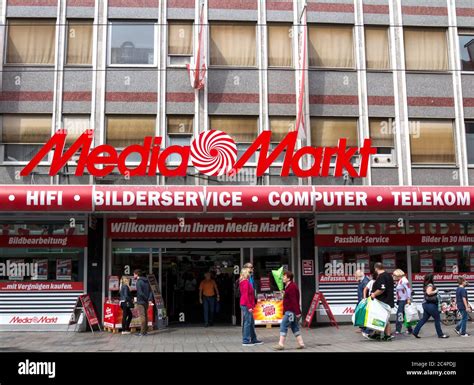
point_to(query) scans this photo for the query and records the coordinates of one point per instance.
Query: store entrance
(183, 270)
(180, 267)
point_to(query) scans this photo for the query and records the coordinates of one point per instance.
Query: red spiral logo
(213, 153)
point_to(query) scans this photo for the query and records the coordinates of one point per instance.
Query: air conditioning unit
(383, 160)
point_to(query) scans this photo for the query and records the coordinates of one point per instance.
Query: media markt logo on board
(212, 153)
(34, 320)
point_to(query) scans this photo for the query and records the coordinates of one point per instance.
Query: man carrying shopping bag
(383, 291)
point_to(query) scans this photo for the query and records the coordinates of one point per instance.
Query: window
(280, 126)
(432, 142)
(331, 46)
(132, 43)
(466, 45)
(470, 141)
(31, 41)
(382, 136)
(125, 130)
(79, 44)
(280, 45)
(24, 135)
(326, 132)
(233, 45)
(242, 129)
(426, 49)
(377, 48)
(75, 126)
(180, 43)
(179, 133)
(381, 133)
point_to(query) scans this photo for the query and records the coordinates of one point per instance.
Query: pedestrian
(403, 298)
(126, 303)
(368, 289)
(291, 311)
(463, 307)
(144, 299)
(382, 290)
(362, 281)
(249, 266)
(430, 307)
(247, 304)
(208, 293)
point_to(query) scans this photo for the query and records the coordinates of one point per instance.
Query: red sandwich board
(317, 299)
(89, 310)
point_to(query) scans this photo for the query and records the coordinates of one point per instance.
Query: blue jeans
(461, 326)
(430, 310)
(209, 304)
(248, 326)
(401, 316)
(289, 320)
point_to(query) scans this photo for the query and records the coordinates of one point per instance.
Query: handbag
(431, 298)
(130, 304)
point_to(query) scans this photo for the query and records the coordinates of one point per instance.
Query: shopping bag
(377, 315)
(358, 317)
(411, 313)
(410, 324)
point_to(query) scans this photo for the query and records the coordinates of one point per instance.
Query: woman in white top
(403, 290)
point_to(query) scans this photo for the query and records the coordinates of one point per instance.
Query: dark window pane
(466, 43)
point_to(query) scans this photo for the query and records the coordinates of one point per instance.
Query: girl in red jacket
(247, 304)
(292, 312)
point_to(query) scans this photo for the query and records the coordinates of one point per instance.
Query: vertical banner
(426, 263)
(389, 261)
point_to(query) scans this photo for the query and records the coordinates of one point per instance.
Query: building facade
(398, 72)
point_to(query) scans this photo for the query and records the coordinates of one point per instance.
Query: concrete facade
(101, 89)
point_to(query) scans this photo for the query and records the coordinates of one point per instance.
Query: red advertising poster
(63, 269)
(389, 261)
(363, 262)
(114, 283)
(41, 270)
(89, 309)
(308, 267)
(426, 263)
(451, 261)
(265, 284)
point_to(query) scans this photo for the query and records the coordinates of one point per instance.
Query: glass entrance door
(183, 270)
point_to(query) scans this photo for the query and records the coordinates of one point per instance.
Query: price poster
(63, 269)
(451, 261)
(41, 270)
(389, 261)
(363, 262)
(426, 263)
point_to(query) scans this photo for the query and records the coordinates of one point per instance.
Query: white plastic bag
(411, 313)
(378, 314)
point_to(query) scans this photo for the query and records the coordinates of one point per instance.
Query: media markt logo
(212, 153)
(33, 320)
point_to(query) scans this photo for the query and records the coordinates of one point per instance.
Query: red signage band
(43, 241)
(235, 199)
(352, 240)
(443, 277)
(40, 286)
(202, 228)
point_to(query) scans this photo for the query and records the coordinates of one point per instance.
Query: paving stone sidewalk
(228, 339)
